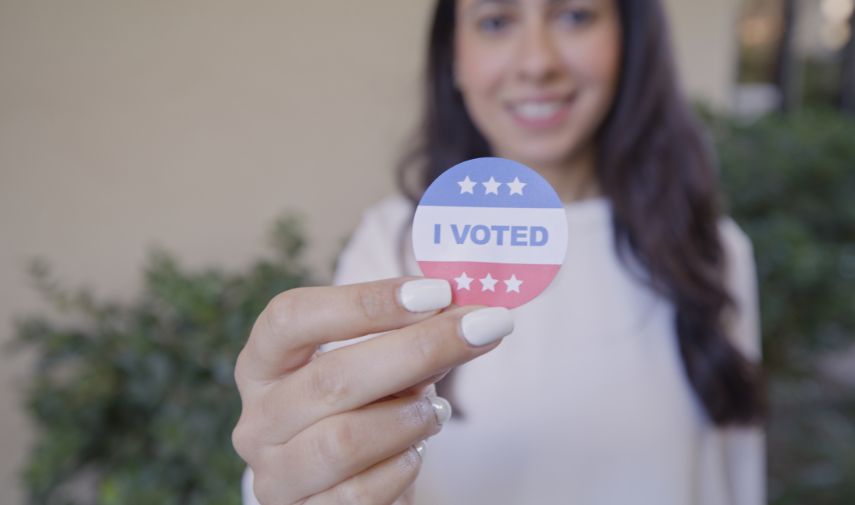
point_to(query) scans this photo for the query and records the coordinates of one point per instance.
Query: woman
(632, 379)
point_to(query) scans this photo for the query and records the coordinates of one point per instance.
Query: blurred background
(165, 167)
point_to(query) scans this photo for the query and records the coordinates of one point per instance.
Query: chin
(548, 153)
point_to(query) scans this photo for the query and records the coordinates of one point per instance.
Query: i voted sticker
(494, 228)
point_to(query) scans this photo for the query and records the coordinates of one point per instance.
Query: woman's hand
(340, 427)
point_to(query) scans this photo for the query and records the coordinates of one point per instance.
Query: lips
(537, 110)
(541, 112)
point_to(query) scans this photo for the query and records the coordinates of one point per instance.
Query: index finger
(296, 322)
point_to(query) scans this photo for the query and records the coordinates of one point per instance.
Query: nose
(538, 58)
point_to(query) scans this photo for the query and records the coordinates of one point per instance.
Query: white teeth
(537, 110)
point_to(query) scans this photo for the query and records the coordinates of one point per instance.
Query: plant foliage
(790, 182)
(135, 402)
(791, 186)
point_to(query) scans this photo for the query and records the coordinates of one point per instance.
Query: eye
(494, 23)
(575, 17)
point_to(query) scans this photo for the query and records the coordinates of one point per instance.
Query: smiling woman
(634, 378)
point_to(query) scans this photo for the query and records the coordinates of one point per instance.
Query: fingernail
(486, 325)
(425, 295)
(441, 408)
(421, 447)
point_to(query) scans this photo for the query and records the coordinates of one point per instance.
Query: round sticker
(494, 228)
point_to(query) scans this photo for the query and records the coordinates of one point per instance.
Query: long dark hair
(656, 167)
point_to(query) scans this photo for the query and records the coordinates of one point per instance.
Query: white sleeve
(376, 250)
(373, 252)
(744, 447)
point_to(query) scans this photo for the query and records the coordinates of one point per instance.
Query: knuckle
(326, 382)
(243, 441)
(239, 443)
(272, 483)
(372, 302)
(283, 309)
(355, 492)
(239, 371)
(337, 446)
(428, 346)
(279, 320)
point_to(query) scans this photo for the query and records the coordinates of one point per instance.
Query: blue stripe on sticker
(491, 182)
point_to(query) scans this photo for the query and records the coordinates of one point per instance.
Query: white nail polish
(420, 448)
(425, 295)
(486, 325)
(441, 408)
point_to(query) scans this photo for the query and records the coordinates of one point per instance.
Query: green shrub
(791, 186)
(790, 182)
(141, 396)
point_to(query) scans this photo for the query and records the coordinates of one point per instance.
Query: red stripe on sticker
(492, 284)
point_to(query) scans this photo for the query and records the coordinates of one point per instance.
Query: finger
(383, 484)
(424, 388)
(296, 322)
(357, 375)
(341, 446)
(409, 496)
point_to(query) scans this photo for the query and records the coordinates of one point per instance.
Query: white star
(467, 185)
(516, 186)
(488, 283)
(491, 186)
(512, 284)
(463, 281)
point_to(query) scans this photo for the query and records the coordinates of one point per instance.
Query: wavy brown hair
(657, 169)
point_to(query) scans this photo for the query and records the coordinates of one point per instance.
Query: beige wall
(707, 51)
(191, 125)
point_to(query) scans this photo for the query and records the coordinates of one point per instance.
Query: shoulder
(389, 213)
(737, 244)
(743, 322)
(373, 251)
(738, 251)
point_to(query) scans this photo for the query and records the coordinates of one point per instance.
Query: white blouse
(586, 402)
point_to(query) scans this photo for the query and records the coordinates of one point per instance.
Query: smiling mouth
(540, 113)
